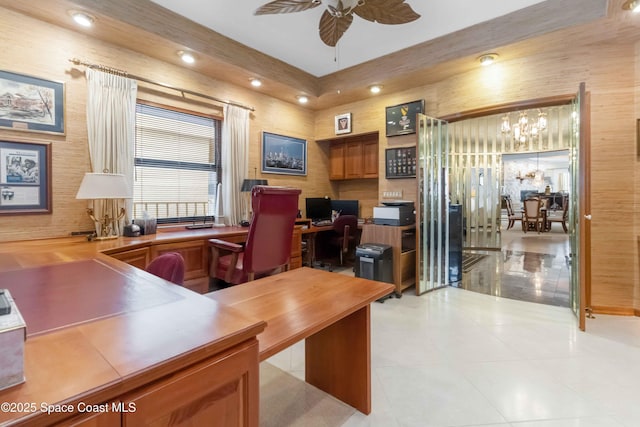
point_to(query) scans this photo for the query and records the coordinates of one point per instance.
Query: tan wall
(39, 49)
(608, 71)
(636, 210)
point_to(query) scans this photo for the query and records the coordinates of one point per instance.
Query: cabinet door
(370, 159)
(353, 160)
(101, 419)
(223, 392)
(336, 160)
(136, 257)
(196, 261)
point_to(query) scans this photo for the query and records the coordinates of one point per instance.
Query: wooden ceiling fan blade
(332, 27)
(390, 12)
(286, 6)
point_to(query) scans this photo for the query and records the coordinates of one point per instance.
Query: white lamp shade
(104, 186)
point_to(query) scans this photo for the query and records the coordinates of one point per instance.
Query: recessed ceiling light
(632, 5)
(256, 83)
(82, 18)
(186, 57)
(302, 99)
(487, 59)
(375, 88)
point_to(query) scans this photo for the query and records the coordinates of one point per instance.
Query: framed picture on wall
(400, 162)
(343, 123)
(30, 103)
(401, 119)
(283, 154)
(25, 178)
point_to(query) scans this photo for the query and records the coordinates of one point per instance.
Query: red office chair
(169, 266)
(268, 245)
(345, 229)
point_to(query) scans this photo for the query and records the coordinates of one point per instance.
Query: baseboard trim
(616, 311)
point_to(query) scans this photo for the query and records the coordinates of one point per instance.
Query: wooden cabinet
(296, 248)
(402, 240)
(353, 157)
(336, 160)
(136, 257)
(222, 392)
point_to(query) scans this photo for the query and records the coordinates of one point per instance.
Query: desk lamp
(247, 186)
(108, 187)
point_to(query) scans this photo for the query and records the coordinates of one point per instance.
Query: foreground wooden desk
(109, 345)
(331, 311)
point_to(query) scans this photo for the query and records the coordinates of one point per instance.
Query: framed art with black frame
(25, 178)
(283, 154)
(401, 119)
(31, 104)
(400, 162)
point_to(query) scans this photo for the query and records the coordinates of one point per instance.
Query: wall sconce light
(107, 187)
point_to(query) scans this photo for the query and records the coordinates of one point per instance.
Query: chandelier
(524, 128)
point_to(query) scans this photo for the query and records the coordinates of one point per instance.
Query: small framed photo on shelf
(31, 104)
(343, 123)
(25, 178)
(400, 162)
(401, 119)
(283, 154)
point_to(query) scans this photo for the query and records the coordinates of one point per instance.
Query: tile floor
(459, 358)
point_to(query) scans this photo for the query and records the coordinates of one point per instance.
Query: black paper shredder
(374, 261)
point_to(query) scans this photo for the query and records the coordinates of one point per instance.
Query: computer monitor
(318, 208)
(346, 207)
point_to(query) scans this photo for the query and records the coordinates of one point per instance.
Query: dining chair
(562, 219)
(268, 245)
(532, 217)
(512, 216)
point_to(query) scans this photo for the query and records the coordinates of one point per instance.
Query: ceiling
(293, 38)
(285, 52)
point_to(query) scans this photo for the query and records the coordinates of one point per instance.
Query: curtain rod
(115, 71)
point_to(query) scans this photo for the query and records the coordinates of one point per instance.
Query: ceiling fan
(339, 14)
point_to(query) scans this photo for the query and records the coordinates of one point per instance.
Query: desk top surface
(98, 328)
(297, 303)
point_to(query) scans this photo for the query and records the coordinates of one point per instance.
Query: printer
(399, 212)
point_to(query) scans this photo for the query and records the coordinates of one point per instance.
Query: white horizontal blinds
(175, 157)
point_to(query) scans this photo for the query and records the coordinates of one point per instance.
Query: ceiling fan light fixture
(82, 18)
(375, 89)
(256, 82)
(187, 57)
(487, 59)
(302, 99)
(632, 5)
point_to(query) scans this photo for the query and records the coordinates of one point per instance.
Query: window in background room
(176, 164)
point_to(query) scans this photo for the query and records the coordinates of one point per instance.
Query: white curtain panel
(111, 126)
(235, 161)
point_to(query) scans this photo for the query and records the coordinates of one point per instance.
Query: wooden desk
(101, 332)
(331, 311)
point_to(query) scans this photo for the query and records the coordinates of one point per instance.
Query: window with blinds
(176, 164)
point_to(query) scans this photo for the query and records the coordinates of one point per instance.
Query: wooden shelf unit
(353, 157)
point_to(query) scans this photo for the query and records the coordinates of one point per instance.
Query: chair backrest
(268, 244)
(532, 208)
(342, 221)
(509, 205)
(169, 266)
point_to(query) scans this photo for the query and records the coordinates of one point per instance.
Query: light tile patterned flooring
(459, 358)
